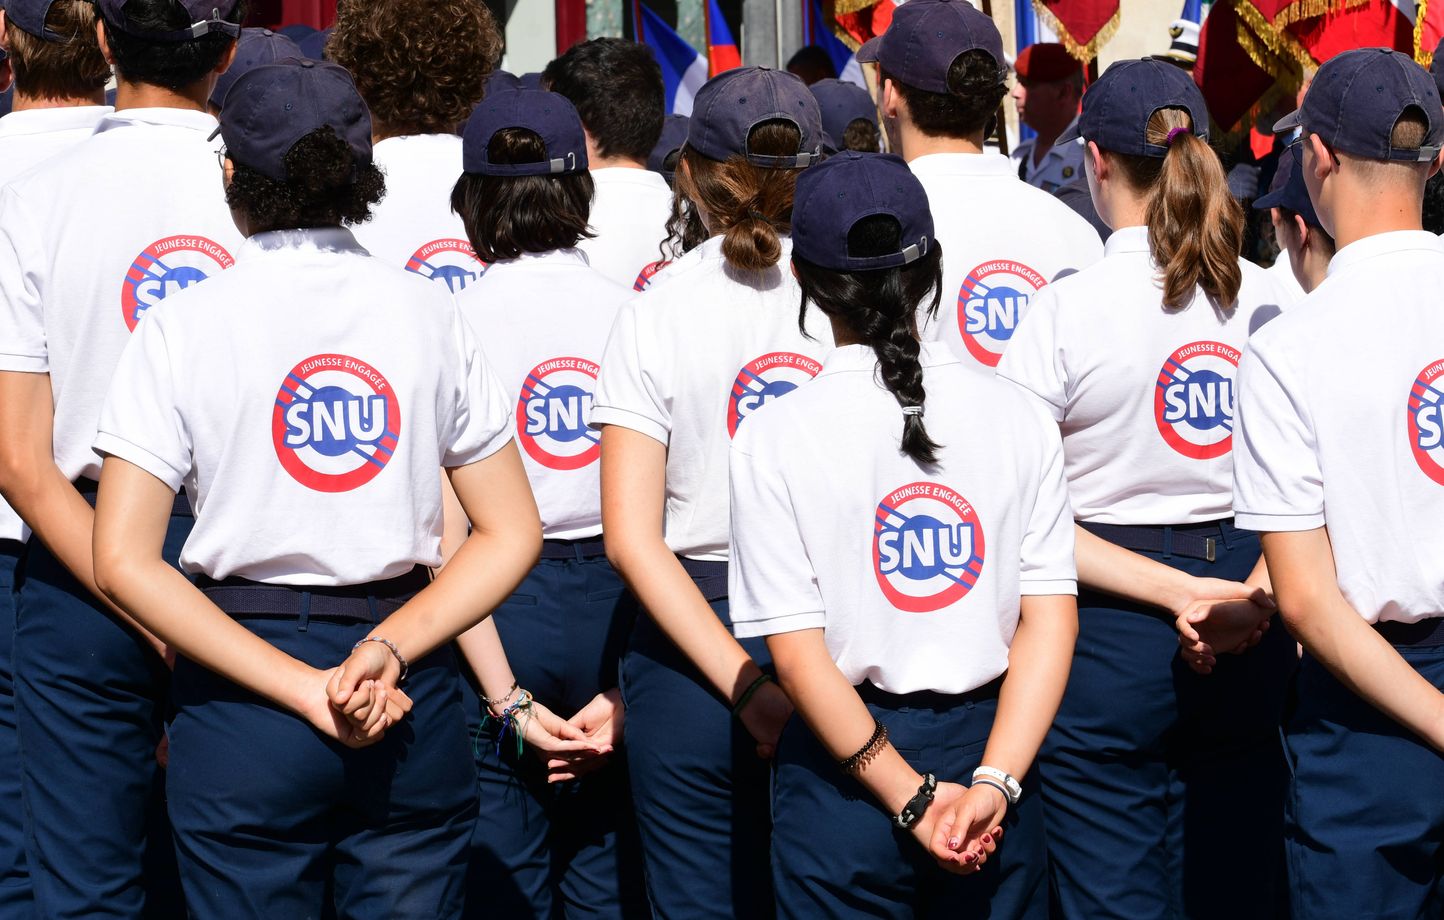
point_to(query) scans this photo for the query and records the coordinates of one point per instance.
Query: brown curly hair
(70, 69)
(420, 66)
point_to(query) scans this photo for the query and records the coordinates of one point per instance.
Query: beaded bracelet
(513, 718)
(867, 752)
(501, 699)
(394, 651)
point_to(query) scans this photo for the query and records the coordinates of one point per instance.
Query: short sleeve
(771, 581)
(142, 422)
(481, 418)
(627, 394)
(1048, 565)
(1278, 484)
(22, 319)
(1032, 359)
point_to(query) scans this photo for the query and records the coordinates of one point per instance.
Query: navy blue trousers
(568, 850)
(702, 795)
(836, 853)
(16, 900)
(91, 697)
(1164, 790)
(1365, 810)
(274, 820)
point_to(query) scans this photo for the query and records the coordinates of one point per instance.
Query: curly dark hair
(421, 67)
(506, 216)
(173, 65)
(326, 188)
(975, 90)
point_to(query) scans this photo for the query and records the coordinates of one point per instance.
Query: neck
(1120, 207)
(1314, 270)
(842, 334)
(914, 143)
(130, 95)
(25, 102)
(601, 162)
(1373, 211)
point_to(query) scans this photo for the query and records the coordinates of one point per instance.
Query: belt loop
(577, 550)
(375, 610)
(303, 622)
(1225, 533)
(1167, 542)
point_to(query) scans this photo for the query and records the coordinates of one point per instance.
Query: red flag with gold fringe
(1083, 26)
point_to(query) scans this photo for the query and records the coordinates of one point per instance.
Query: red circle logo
(336, 423)
(768, 377)
(927, 547)
(166, 266)
(1193, 399)
(552, 414)
(452, 262)
(1426, 421)
(990, 304)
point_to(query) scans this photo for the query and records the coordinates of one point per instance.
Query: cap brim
(1269, 201)
(867, 53)
(1070, 133)
(1289, 122)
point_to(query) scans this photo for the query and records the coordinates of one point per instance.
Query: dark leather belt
(88, 487)
(1423, 634)
(588, 548)
(927, 699)
(1192, 541)
(710, 577)
(365, 603)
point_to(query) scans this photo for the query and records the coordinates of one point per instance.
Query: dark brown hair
(747, 205)
(506, 216)
(70, 69)
(880, 308)
(421, 67)
(975, 90)
(325, 189)
(617, 88)
(1195, 225)
(861, 135)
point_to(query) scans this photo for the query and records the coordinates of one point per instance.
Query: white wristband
(1010, 787)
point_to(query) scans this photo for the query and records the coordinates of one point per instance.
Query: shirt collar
(1383, 244)
(1127, 239)
(553, 259)
(47, 121)
(846, 358)
(628, 175)
(988, 163)
(165, 117)
(312, 239)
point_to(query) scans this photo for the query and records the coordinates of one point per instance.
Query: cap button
(308, 63)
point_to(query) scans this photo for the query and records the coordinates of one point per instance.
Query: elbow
(20, 471)
(112, 567)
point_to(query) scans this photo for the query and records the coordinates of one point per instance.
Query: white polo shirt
(1283, 271)
(1340, 423)
(629, 217)
(1003, 241)
(1144, 395)
(27, 139)
(93, 239)
(543, 321)
(914, 573)
(306, 401)
(1060, 165)
(414, 227)
(690, 360)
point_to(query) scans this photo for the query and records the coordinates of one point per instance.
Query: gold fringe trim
(847, 7)
(1308, 9)
(1425, 56)
(1281, 46)
(1084, 52)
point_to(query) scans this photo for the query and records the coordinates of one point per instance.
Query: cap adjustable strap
(564, 164)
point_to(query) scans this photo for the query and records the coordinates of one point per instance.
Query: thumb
(344, 682)
(569, 732)
(1261, 598)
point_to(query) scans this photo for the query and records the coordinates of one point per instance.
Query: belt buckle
(1210, 549)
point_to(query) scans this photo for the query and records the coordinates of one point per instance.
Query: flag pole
(1001, 119)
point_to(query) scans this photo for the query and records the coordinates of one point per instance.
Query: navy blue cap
(842, 103)
(1117, 107)
(731, 104)
(30, 16)
(297, 31)
(313, 46)
(501, 81)
(254, 48)
(844, 189)
(926, 36)
(1356, 98)
(1436, 68)
(1288, 189)
(273, 106)
(532, 80)
(674, 135)
(207, 18)
(551, 115)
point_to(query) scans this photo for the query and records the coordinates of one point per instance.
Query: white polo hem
(109, 444)
(1278, 523)
(1048, 587)
(25, 364)
(623, 418)
(772, 626)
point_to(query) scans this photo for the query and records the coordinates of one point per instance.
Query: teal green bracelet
(747, 694)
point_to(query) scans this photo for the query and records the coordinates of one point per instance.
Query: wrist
(295, 688)
(900, 789)
(1175, 592)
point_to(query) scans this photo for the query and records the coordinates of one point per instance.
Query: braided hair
(880, 308)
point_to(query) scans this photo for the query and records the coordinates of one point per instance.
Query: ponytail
(879, 308)
(749, 206)
(1195, 225)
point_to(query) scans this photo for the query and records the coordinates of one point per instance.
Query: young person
(942, 76)
(1046, 92)
(422, 68)
(616, 86)
(918, 599)
(314, 628)
(1136, 358)
(849, 116)
(254, 48)
(1305, 248)
(686, 364)
(1341, 473)
(545, 846)
(89, 241)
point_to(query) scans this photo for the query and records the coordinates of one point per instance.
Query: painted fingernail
(969, 857)
(954, 843)
(987, 838)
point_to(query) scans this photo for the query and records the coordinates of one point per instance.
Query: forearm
(670, 596)
(838, 717)
(1103, 566)
(481, 647)
(1038, 664)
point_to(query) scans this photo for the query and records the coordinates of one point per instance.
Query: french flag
(683, 69)
(722, 53)
(816, 32)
